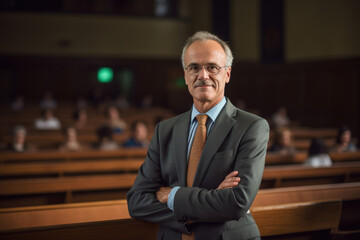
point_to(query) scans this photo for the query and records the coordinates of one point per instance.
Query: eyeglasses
(195, 70)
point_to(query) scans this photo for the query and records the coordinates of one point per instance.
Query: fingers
(162, 194)
(231, 180)
(232, 174)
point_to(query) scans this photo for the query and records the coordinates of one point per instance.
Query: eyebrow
(196, 64)
(193, 64)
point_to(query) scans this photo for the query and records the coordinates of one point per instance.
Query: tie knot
(201, 118)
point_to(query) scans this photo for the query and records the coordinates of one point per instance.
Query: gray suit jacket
(237, 141)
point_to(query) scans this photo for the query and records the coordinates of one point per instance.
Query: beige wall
(199, 15)
(245, 30)
(322, 29)
(90, 35)
(314, 30)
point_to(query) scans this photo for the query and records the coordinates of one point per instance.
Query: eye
(212, 68)
(194, 68)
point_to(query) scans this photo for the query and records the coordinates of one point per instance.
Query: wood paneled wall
(316, 93)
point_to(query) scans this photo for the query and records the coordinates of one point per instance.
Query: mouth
(203, 84)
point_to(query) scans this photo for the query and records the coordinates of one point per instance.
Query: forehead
(204, 52)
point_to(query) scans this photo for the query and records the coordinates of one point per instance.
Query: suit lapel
(181, 131)
(218, 133)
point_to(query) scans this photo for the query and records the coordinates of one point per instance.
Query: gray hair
(202, 36)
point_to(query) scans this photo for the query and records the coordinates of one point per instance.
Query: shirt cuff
(170, 201)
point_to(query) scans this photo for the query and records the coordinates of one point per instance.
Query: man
(214, 203)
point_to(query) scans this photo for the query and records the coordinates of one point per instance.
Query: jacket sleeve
(202, 205)
(142, 201)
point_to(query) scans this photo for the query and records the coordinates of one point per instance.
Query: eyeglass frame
(204, 66)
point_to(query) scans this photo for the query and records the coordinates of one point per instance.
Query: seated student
(47, 121)
(81, 103)
(48, 102)
(105, 136)
(343, 141)
(283, 142)
(18, 143)
(18, 104)
(139, 136)
(80, 117)
(71, 142)
(114, 121)
(318, 154)
(280, 118)
(121, 102)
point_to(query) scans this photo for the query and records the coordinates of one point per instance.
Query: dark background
(318, 92)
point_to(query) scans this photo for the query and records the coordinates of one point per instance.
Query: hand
(163, 194)
(230, 181)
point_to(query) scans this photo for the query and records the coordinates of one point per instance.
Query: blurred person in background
(121, 102)
(18, 104)
(139, 136)
(114, 121)
(105, 139)
(318, 154)
(47, 121)
(280, 118)
(283, 143)
(48, 102)
(344, 141)
(81, 103)
(80, 117)
(71, 141)
(18, 143)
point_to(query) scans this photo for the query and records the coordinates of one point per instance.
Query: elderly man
(203, 167)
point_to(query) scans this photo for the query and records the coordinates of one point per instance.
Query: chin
(204, 99)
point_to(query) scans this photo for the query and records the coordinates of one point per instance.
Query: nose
(203, 74)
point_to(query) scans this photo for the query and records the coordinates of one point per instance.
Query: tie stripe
(194, 157)
(196, 149)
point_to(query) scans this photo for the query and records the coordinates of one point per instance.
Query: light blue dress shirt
(213, 113)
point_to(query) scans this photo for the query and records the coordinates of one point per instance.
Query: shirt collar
(213, 113)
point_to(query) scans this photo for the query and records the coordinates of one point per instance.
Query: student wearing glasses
(204, 167)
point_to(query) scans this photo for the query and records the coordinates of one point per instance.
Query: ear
(228, 74)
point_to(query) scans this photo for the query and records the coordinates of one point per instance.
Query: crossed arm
(231, 180)
(148, 197)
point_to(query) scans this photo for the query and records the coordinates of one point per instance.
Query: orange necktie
(194, 157)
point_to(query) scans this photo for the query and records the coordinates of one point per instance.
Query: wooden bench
(274, 196)
(349, 193)
(276, 174)
(110, 220)
(345, 156)
(304, 144)
(7, 157)
(22, 170)
(308, 220)
(279, 159)
(38, 178)
(308, 133)
(27, 118)
(88, 180)
(298, 175)
(41, 191)
(300, 157)
(52, 140)
(61, 214)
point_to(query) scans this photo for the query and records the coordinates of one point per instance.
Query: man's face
(206, 87)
